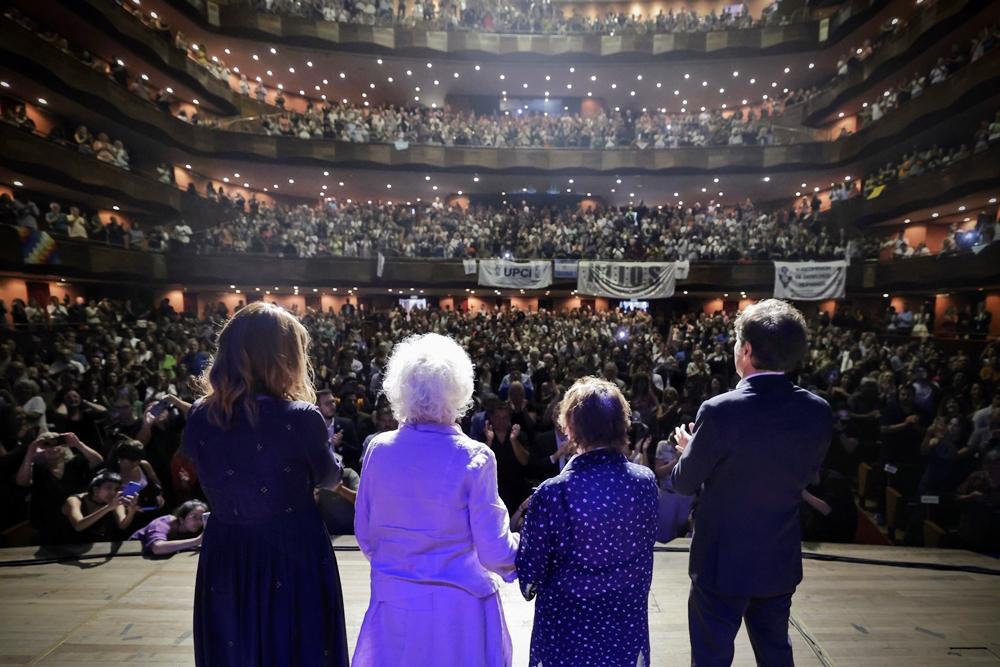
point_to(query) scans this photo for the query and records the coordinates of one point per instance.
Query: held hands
(515, 431)
(682, 436)
(489, 434)
(71, 440)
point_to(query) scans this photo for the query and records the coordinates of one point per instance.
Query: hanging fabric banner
(519, 275)
(565, 268)
(470, 266)
(627, 280)
(810, 281)
(37, 247)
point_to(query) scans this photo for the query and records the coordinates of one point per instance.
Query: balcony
(83, 259)
(420, 42)
(46, 160)
(972, 175)
(929, 27)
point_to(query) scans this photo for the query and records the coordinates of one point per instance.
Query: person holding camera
(55, 466)
(586, 547)
(103, 512)
(129, 458)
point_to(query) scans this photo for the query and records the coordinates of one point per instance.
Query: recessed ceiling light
(42, 100)
(18, 184)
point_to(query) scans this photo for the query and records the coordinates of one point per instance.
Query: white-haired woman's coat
(430, 521)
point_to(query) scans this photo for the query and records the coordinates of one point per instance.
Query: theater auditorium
(493, 333)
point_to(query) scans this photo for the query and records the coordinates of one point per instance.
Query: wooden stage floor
(127, 610)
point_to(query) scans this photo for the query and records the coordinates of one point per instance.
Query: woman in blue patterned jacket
(586, 546)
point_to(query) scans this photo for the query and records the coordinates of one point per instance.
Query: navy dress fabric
(586, 551)
(268, 590)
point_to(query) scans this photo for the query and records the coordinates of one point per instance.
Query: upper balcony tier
(569, 37)
(167, 139)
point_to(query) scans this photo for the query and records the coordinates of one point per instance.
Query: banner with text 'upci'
(515, 275)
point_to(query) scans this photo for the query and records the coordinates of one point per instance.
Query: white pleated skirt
(435, 625)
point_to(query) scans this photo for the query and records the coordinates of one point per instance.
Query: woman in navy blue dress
(586, 547)
(267, 590)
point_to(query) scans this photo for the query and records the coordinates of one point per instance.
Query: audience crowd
(944, 68)
(94, 393)
(443, 127)
(935, 158)
(517, 16)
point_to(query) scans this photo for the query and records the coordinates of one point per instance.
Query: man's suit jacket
(754, 450)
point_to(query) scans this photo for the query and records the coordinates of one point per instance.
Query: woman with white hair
(429, 519)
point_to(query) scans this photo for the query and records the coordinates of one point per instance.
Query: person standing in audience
(586, 548)
(430, 521)
(749, 455)
(509, 442)
(267, 589)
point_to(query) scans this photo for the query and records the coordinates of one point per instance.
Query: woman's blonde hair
(596, 413)
(428, 380)
(263, 349)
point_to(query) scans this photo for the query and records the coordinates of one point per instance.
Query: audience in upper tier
(519, 16)
(693, 232)
(943, 68)
(112, 382)
(919, 162)
(519, 129)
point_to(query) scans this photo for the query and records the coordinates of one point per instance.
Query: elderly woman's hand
(517, 520)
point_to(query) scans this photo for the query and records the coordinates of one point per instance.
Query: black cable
(829, 558)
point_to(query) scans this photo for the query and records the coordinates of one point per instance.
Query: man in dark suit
(749, 455)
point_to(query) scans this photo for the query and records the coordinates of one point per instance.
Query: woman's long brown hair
(262, 350)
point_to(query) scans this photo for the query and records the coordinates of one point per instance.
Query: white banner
(469, 265)
(523, 275)
(627, 280)
(565, 268)
(380, 266)
(682, 270)
(810, 281)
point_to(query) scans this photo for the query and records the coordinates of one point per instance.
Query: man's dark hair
(323, 392)
(776, 332)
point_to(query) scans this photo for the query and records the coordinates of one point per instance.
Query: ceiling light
(4, 84)
(18, 184)
(274, 51)
(42, 100)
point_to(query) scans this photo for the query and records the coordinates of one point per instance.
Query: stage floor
(127, 610)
